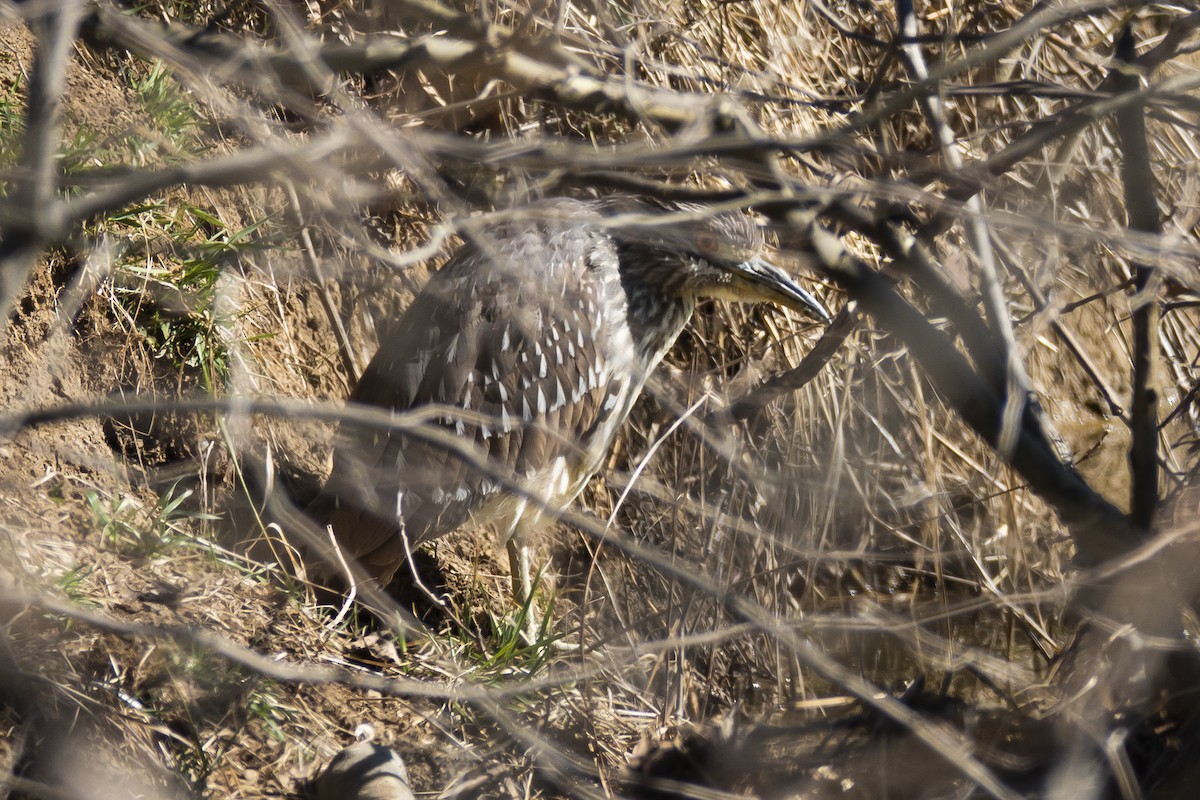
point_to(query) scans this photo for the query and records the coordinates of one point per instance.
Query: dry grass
(754, 575)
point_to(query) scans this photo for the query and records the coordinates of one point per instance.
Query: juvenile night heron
(530, 346)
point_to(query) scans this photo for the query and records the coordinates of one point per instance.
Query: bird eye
(706, 243)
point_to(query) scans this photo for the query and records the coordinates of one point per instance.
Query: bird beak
(774, 285)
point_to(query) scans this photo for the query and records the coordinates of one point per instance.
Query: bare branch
(795, 379)
(1100, 531)
(1142, 208)
(539, 68)
(33, 201)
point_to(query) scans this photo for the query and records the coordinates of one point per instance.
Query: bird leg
(520, 559)
(520, 562)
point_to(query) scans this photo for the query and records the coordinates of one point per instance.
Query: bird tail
(354, 539)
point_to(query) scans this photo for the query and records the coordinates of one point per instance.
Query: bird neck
(655, 314)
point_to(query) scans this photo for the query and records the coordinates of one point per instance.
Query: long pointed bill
(776, 286)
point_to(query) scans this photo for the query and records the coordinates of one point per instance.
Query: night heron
(529, 347)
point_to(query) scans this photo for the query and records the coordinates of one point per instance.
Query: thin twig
(323, 293)
(1063, 332)
(794, 379)
(1016, 386)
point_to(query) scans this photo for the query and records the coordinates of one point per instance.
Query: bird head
(693, 254)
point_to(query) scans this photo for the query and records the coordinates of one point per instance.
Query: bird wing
(512, 351)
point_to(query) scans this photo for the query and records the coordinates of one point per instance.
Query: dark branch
(1144, 216)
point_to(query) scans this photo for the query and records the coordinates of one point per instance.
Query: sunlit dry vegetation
(938, 548)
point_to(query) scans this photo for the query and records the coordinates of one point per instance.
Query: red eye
(706, 243)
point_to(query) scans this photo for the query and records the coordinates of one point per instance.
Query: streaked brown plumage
(532, 343)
